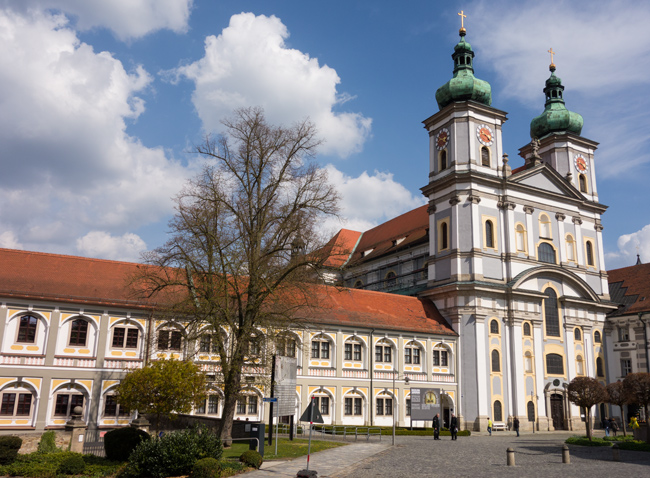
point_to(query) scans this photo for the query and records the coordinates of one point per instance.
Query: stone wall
(31, 439)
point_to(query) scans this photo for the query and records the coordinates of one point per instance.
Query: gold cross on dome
(552, 53)
(462, 18)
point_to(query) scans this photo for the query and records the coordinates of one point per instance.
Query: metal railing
(330, 431)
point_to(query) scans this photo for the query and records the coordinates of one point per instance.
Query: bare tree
(236, 258)
(617, 396)
(586, 392)
(637, 389)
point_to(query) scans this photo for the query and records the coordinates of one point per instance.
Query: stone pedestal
(77, 428)
(141, 423)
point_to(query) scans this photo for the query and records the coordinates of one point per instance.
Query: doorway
(557, 411)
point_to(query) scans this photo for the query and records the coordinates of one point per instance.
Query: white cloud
(629, 245)
(250, 65)
(368, 200)
(9, 240)
(127, 247)
(602, 58)
(126, 18)
(68, 164)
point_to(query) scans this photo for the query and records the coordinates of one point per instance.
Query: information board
(284, 388)
(425, 403)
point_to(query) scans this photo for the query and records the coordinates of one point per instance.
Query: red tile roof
(412, 225)
(631, 286)
(378, 310)
(56, 277)
(81, 280)
(340, 247)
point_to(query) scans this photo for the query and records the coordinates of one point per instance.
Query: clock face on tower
(442, 138)
(484, 135)
(581, 163)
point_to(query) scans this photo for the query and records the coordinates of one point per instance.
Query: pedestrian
(613, 426)
(453, 427)
(515, 425)
(606, 426)
(436, 427)
(489, 426)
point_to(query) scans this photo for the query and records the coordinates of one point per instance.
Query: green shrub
(9, 446)
(72, 465)
(634, 445)
(206, 468)
(584, 441)
(119, 443)
(251, 458)
(174, 454)
(47, 443)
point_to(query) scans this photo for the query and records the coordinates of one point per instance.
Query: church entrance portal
(557, 411)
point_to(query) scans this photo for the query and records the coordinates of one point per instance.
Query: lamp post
(406, 382)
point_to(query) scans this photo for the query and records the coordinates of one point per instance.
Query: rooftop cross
(552, 53)
(462, 18)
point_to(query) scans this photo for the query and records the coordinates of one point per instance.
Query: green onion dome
(556, 117)
(464, 86)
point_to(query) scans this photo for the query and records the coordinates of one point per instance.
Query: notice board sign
(284, 388)
(425, 403)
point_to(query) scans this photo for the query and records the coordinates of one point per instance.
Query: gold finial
(552, 65)
(462, 22)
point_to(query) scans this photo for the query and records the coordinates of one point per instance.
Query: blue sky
(100, 103)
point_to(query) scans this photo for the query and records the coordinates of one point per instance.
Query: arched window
(170, 339)
(489, 234)
(531, 411)
(577, 334)
(320, 347)
(27, 329)
(391, 279)
(498, 411)
(526, 329)
(597, 337)
(352, 350)
(412, 353)
(444, 236)
(599, 367)
(494, 327)
(520, 236)
(551, 314)
(544, 226)
(443, 159)
(285, 345)
(485, 156)
(580, 366)
(528, 362)
(496, 362)
(78, 332)
(546, 253)
(358, 285)
(570, 248)
(582, 179)
(440, 357)
(590, 253)
(554, 364)
(384, 352)
(16, 403)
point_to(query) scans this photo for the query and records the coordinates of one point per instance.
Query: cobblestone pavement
(326, 463)
(476, 456)
(485, 456)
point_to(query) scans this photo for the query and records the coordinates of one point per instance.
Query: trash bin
(257, 431)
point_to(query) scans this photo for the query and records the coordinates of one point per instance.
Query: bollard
(616, 454)
(511, 457)
(566, 458)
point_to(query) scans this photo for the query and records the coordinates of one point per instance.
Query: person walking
(613, 426)
(453, 427)
(515, 425)
(489, 426)
(436, 427)
(606, 426)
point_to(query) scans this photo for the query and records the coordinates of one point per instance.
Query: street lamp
(406, 382)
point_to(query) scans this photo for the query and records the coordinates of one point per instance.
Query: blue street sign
(270, 399)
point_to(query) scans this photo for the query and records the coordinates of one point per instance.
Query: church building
(512, 258)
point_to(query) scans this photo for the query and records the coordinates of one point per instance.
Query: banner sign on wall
(425, 403)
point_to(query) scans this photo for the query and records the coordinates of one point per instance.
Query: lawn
(286, 448)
